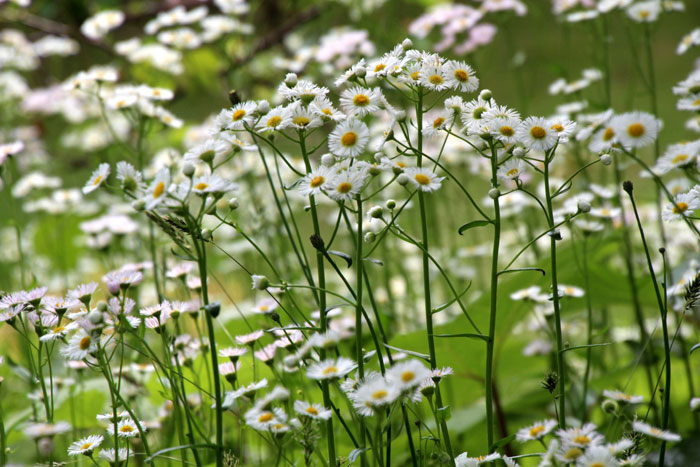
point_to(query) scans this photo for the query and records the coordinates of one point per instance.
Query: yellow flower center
(512, 172)
(274, 121)
(538, 132)
(58, 329)
(85, 446)
(573, 453)
(301, 121)
(557, 127)
(582, 439)
(158, 190)
(97, 181)
(327, 111)
(436, 80)
(598, 464)
(360, 100)
(680, 207)
(462, 75)
(85, 343)
(265, 417)
(317, 181)
(422, 179)
(415, 75)
(608, 134)
(438, 121)
(379, 67)
(407, 376)
(349, 139)
(380, 394)
(330, 370)
(506, 131)
(312, 411)
(536, 430)
(344, 188)
(680, 158)
(238, 114)
(201, 186)
(636, 130)
(126, 429)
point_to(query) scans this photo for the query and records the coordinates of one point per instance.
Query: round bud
(485, 95)
(402, 179)
(139, 205)
(260, 282)
(188, 170)
(376, 212)
(206, 234)
(45, 446)
(233, 203)
(606, 159)
(263, 107)
(327, 160)
(609, 406)
(584, 206)
(213, 309)
(370, 237)
(374, 170)
(291, 79)
(494, 193)
(360, 72)
(102, 306)
(274, 316)
(95, 317)
(390, 204)
(407, 44)
(518, 152)
(400, 115)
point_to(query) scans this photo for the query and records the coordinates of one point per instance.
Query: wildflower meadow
(350, 233)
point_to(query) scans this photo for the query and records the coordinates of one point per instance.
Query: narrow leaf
(466, 334)
(345, 256)
(694, 348)
(502, 442)
(438, 309)
(506, 271)
(409, 352)
(374, 260)
(472, 224)
(577, 347)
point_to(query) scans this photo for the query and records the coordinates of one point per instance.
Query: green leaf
(409, 352)
(345, 256)
(444, 413)
(466, 334)
(355, 453)
(472, 224)
(577, 347)
(694, 348)
(506, 271)
(374, 260)
(502, 442)
(438, 309)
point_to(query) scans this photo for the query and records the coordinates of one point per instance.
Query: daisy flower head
(653, 432)
(689, 40)
(683, 205)
(460, 76)
(80, 345)
(473, 114)
(563, 127)
(85, 446)
(264, 420)
(110, 456)
(691, 103)
(207, 151)
(212, 184)
(304, 91)
(623, 397)
(644, 12)
(597, 456)
(313, 411)
(582, 437)
(276, 119)
(635, 129)
(345, 185)
(407, 375)
(331, 369)
(130, 178)
(464, 461)
(322, 107)
(303, 118)
(10, 149)
(126, 428)
(603, 139)
(349, 138)
(315, 181)
(511, 169)
(239, 116)
(537, 430)
(383, 66)
(249, 339)
(502, 128)
(423, 178)
(439, 121)
(361, 101)
(157, 190)
(375, 393)
(536, 133)
(98, 177)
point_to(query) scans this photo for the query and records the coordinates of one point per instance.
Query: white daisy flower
(314, 182)
(85, 446)
(276, 119)
(110, 456)
(423, 178)
(464, 461)
(207, 151)
(635, 129)
(382, 66)
(322, 107)
(360, 101)
(407, 375)
(473, 114)
(597, 456)
(434, 77)
(623, 397)
(10, 149)
(98, 177)
(303, 118)
(126, 428)
(536, 431)
(130, 178)
(314, 411)
(582, 437)
(603, 139)
(212, 184)
(502, 128)
(654, 432)
(330, 369)
(375, 393)
(157, 190)
(238, 117)
(563, 127)
(536, 133)
(249, 339)
(684, 205)
(264, 420)
(691, 103)
(80, 345)
(349, 138)
(511, 169)
(645, 12)
(346, 184)
(460, 76)
(437, 122)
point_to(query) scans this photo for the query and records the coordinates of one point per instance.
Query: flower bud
(263, 107)
(390, 204)
(233, 204)
(486, 94)
(400, 115)
(407, 44)
(402, 179)
(518, 152)
(102, 306)
(188, 170)
(609, 406)
(360, 72)
(378, 156)
(291, 79)
(695, 404)
(370, 237)
(260, 282)
(206, 234)
(494, 193)
(376, 212)
(95, 317)
(584, 206)
(213, 309)
(606, 159)
(327, 160)
(139, 205)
